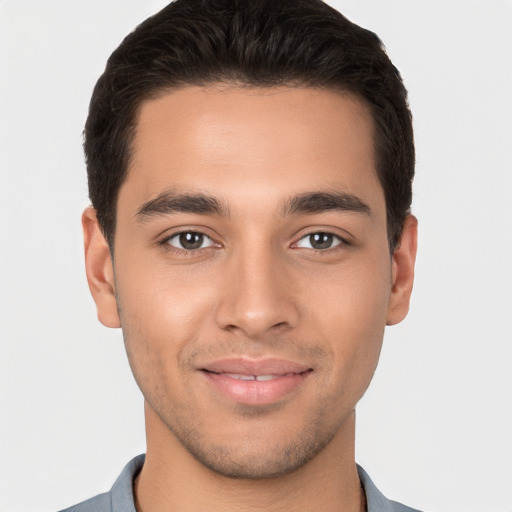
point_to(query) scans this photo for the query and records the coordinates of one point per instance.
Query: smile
(259, 378)
(253, 382)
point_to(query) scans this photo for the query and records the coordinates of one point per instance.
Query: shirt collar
(375, 500)
(121, 495)
(122, 499)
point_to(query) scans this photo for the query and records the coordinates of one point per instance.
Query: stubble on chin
(261, 452)
(248, 458)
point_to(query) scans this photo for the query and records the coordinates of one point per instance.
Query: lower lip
(253, 392)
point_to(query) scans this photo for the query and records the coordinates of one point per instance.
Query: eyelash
(343, 242)
(164, 243)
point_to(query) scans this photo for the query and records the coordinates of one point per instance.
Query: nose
(258, 296)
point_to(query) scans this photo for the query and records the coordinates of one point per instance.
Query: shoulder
(375, 500)
(100, 503)
(120, 497)
(399, 507)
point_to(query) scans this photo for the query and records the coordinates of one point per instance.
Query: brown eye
(190, 241)
(319, 241)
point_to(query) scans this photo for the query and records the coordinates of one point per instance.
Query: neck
(172, 479)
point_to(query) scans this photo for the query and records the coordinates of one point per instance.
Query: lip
(236, 379)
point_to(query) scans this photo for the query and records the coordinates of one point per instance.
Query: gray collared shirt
(120, 497)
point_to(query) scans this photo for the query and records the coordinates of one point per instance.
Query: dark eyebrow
(168, 203)
(320, 202)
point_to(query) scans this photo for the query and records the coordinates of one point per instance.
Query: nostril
(255, 314)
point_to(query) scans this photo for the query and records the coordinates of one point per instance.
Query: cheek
(162, 312)
(352, 298)
(350, 312)
(160, 300)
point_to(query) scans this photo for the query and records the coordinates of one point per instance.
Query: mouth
(255, 382)
(259, 378)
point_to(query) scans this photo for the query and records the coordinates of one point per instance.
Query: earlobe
(99, 269)
(403, 261)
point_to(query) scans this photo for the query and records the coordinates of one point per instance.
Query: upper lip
(244, 366)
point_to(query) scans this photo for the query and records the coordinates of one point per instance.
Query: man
(250, 168)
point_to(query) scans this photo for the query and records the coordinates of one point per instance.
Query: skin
(258, 287)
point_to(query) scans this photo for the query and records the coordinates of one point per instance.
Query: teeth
(241, 377)
(259, 378)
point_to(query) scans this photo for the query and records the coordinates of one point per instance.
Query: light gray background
(434, 430)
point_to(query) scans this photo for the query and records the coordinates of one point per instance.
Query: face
(252, 274)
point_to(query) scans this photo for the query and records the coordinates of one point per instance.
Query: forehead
(235, 141)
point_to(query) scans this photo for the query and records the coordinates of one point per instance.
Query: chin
(263, 452)
(253, 463)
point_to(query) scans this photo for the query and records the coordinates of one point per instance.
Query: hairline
(239, 83)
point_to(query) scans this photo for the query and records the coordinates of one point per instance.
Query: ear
(402, 272)
(99, 269)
